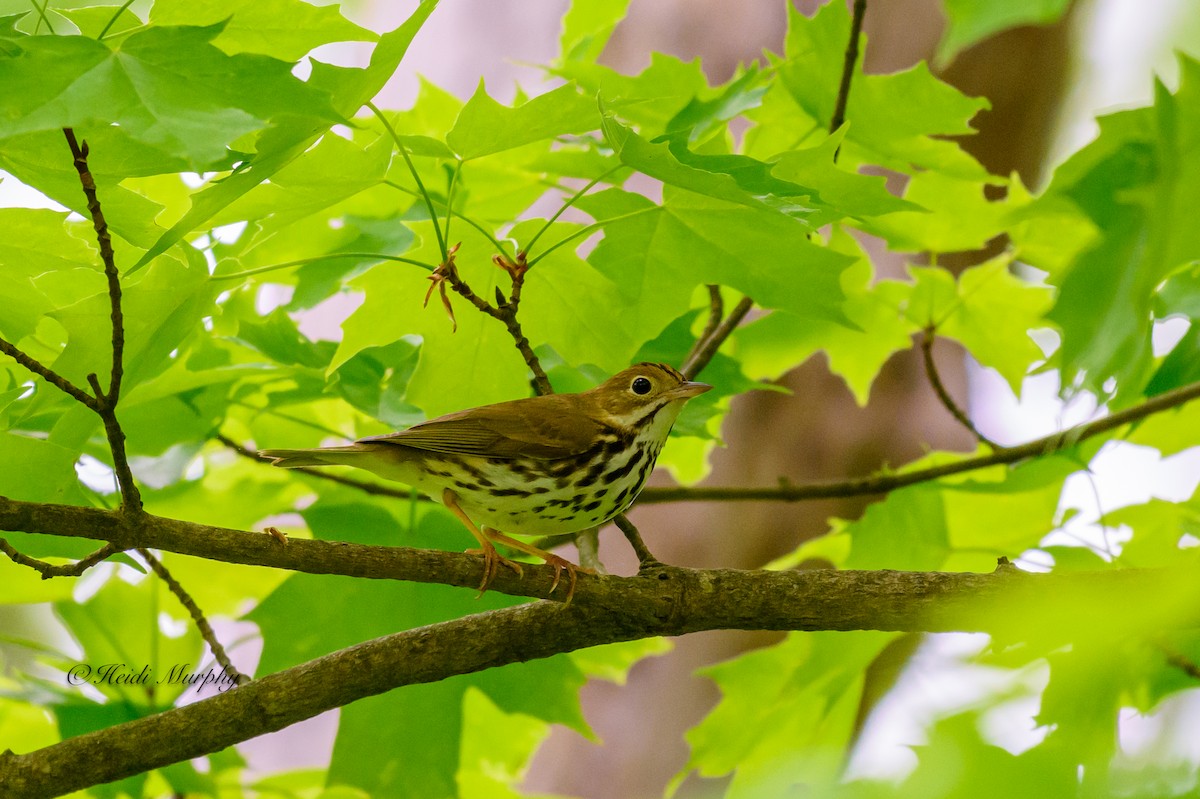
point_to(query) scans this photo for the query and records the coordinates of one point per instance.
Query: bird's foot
(560, 564)
(492, 561)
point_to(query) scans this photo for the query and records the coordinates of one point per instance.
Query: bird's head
(646, 394)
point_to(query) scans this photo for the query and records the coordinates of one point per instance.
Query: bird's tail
(326, 456)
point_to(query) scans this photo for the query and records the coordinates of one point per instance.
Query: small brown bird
(537, 466)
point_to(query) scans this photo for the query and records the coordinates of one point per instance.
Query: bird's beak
(689, 390)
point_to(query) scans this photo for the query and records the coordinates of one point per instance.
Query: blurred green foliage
(242, 196)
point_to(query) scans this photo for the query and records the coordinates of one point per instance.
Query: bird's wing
(545, 428)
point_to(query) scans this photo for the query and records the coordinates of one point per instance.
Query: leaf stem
(589, 229)
(258, 270)
(571, 201)
(437, 228)
(113, 19)
(482, 230)
(458, 164)
(42, 17)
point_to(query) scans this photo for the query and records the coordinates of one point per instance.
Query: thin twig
(706, 348)
(716, 311)
(540, 379)
(79, 154)
(939, 388)
(505, 312)
(644, 555)
(1179, 660)
(48, 570)
(843, 96)
(201, 622)
(883, 483)
(51, 377)
(106, 401)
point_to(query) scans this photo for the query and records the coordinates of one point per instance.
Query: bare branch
(707, 347)
(198, 617)
(51, 377)
(939, 388)
(883, 483)
(851, 59)
(48, 570)
(106, 402)
(79, 153)
(716, 311)
(505, 311)
(645, 557)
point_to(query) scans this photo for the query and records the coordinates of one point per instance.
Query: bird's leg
(558, 563)
(492, 560)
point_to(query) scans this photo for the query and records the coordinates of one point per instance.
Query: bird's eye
(641, 385)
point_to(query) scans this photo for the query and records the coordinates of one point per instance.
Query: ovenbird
(538, 466)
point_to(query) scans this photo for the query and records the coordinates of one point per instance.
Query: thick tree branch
(668, 601)
(260, 549)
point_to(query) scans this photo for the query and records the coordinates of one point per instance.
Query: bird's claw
(560, 565)
(492, 561)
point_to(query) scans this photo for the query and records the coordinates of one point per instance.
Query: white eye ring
(641, 385)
